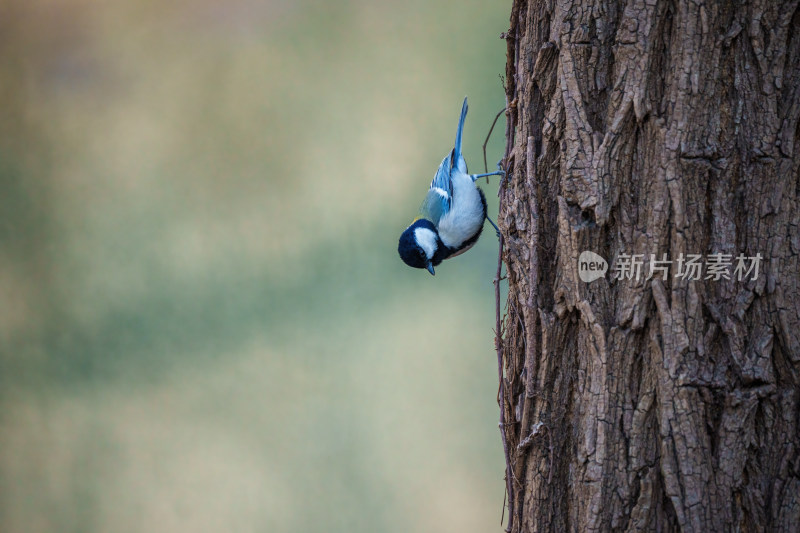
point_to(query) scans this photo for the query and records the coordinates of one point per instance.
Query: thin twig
(485, 165)
(498, 345)
(498, 341)
(503, 514)
(506, 163)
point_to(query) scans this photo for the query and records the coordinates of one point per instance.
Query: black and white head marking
(419, 245)
(426, 239)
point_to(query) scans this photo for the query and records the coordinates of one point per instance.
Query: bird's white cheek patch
(426, 240)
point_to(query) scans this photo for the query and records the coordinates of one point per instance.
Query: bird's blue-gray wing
(440, 195)
(435, 205)
(441, 179)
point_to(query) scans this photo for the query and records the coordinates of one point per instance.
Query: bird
(451, 215)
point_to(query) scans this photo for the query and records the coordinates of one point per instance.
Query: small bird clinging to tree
(451, 215)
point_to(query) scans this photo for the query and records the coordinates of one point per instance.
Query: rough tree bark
(652, 127)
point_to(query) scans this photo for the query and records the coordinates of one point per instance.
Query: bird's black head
(418, 245)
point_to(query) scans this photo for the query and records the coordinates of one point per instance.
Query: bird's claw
(496, 229)
(501, 170)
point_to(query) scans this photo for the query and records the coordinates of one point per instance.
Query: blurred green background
(205, 325)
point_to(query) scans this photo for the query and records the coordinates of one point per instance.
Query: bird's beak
(430, 268)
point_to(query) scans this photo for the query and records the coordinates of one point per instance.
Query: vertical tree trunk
(652, 127)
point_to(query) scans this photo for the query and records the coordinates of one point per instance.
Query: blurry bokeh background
(204, 325)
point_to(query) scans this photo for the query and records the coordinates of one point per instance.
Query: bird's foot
(500, 169)
(496, 229)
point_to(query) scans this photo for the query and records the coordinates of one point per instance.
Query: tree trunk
(671, 403)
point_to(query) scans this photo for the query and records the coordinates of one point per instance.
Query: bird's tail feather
(457, 149)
